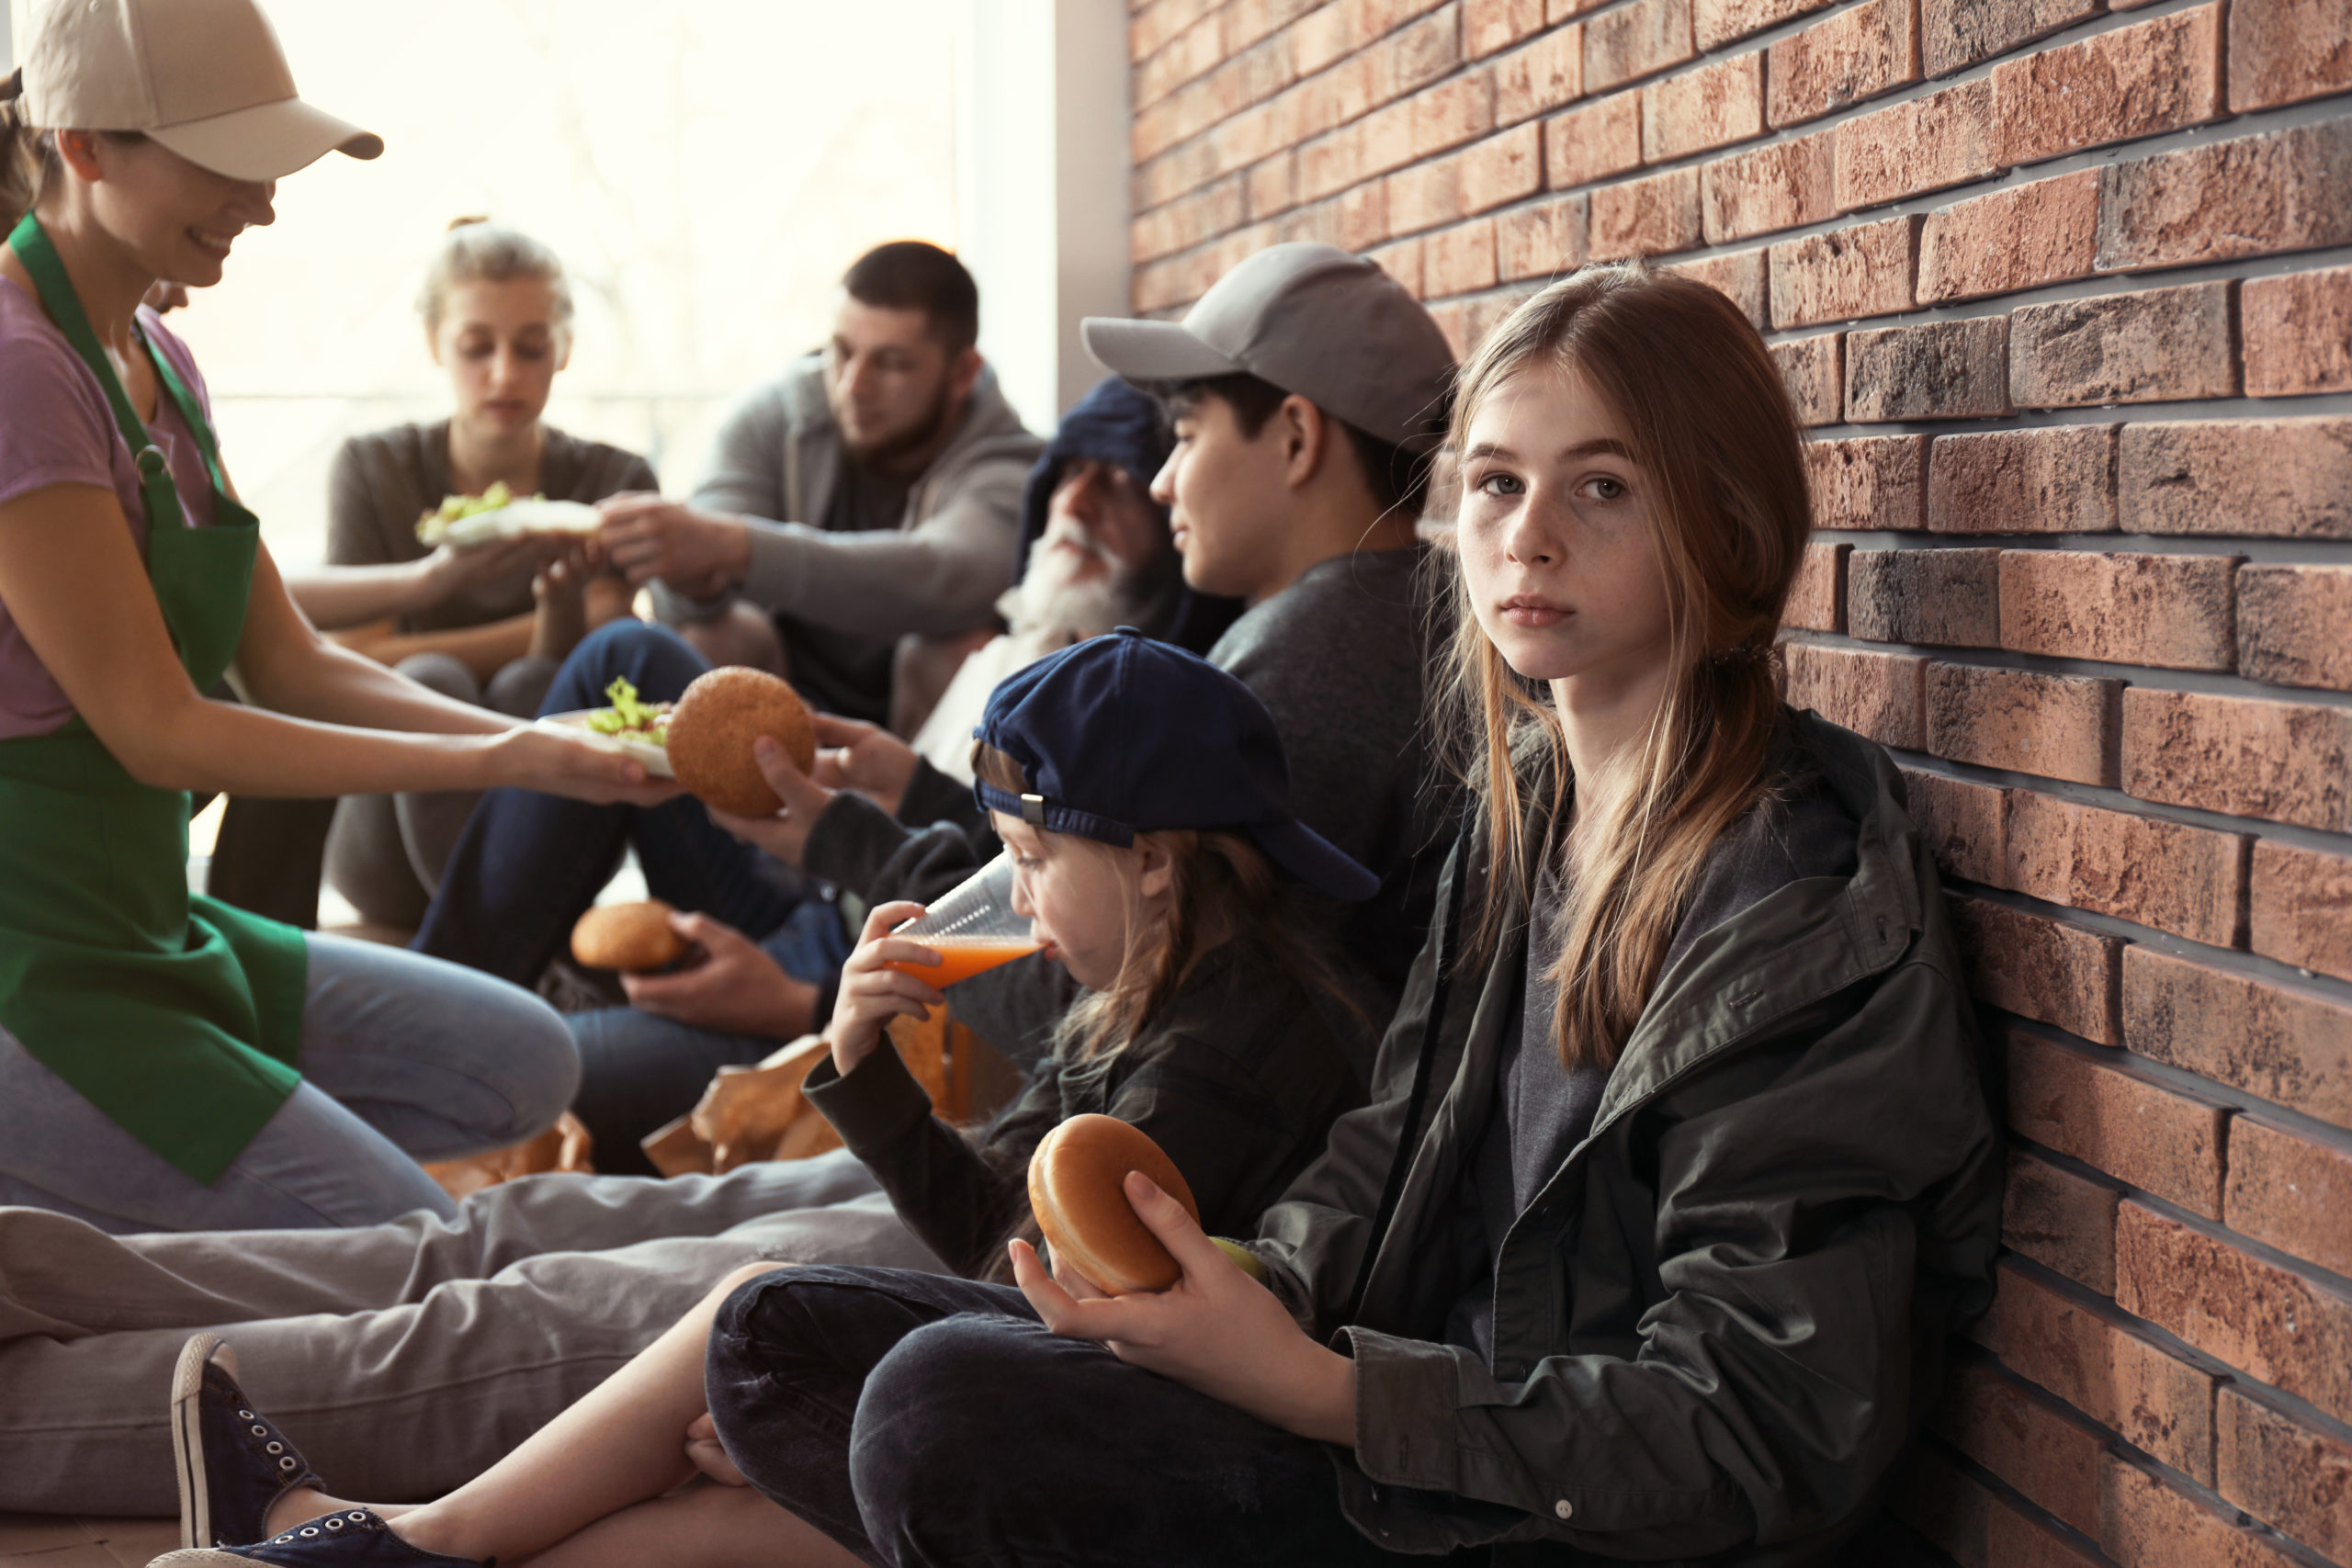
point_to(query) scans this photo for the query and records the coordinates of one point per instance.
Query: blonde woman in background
(487, 625)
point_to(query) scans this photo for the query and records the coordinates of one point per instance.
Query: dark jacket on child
(1721, 1318)
(1238, 1078)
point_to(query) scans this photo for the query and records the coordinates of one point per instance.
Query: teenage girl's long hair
(1710, 428)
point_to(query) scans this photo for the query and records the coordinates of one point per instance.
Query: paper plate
(575, 724)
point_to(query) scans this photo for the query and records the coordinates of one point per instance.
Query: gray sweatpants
(403, 1357)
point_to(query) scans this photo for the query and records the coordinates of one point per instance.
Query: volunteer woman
(167, 1061)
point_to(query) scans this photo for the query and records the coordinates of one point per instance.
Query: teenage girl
(168, 1062)
(1140, 792)
(1678, 1167)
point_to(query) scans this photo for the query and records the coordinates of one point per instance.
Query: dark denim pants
(529, 864)
(919, 1419)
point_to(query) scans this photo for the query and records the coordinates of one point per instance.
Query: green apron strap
(161, 496)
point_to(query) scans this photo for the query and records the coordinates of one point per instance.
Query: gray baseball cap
(1313, 320)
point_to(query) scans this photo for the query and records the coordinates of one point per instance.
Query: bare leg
(707, 1525)
(623, 1444)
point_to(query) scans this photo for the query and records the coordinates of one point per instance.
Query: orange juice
(960, 958)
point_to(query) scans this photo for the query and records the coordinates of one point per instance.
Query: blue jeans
(529, 864)
(639, 1071)
(402, 1059)
(926, 1420)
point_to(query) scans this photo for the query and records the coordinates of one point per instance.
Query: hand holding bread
(712, 730)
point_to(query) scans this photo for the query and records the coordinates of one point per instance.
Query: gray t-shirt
(384, 480)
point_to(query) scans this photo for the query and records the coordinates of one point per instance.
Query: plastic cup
(972, 925)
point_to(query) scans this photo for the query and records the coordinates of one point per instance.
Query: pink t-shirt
(56, 428)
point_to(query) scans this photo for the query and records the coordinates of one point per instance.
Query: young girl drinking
(1678, 1167)
(1140, 792)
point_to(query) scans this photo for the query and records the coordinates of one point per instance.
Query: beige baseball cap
(204, 77)
(1312, 320)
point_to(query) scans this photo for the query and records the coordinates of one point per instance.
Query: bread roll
(632, 938)
(1077, 1190)
(712, 729)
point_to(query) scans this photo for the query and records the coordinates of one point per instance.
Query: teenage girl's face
(175, 219)
(1225, 492)
(1555, 537)
(1087, 902)
(501, 347)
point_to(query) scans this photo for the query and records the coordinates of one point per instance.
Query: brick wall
(2064, 289)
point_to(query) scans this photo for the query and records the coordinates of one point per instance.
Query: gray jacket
(777, 461)
(1722, 1316)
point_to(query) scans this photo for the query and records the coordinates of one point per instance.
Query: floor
(55, 1541)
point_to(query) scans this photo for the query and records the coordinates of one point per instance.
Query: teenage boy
(870, 492)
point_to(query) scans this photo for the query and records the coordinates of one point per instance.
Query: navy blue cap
(1120, 735)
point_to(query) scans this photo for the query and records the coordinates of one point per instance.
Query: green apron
(177, 1016)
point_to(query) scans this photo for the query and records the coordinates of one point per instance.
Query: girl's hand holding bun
(872, 993)
(1215, 1329)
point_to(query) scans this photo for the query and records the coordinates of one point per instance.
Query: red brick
(1491, 311)
(2159, 346)
(2054, 480)
(1426, 195)
(2298, 332)
(2164, 610)
(1547, 240)
(1502, 168)
(1715, 23)
(1401, 260)
(2290, 1190)
(1934, 370)
(1708, 106)
(1153, 25)
(2046, 1452)
(2137, 81)
(2059, 727)
(2291, 1332)
(1963, 823)
(1594, 142)
(1932, 596)
(1544, 75)
(2288, 1046)
(1956, 33)
(2015, 1539)
(1817, 597)
(2301, 908)
(2287, 477)
(2285, 1473)
(2009, 239)
(2284, 761)
(1250, 20)
(1452, 112)
(2145, 1522)
(2295, 625)
(1453, 318)
(1459, 261)
(1814, 370)
(1781, 185)
(2077, 1351)
(1647, 217)
(2060, 1220)
(1944, 139)
(1871, 482)
(1490, 25)
(1737, 275)
(2285, 51)
(1353, 220)
(1196, 51)
(1636, 40)
(1861, 270)
(1274, 185)
(1856, 54)
(2165, 874)
(1874, 694)
(2140, 1132)
(2033, 967)
(2284, 191)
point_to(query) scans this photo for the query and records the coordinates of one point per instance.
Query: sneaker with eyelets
(233, 1462)
(355, 1537)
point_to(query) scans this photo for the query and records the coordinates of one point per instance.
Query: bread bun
(712, 729)
(1077, 1188)
(632, 938)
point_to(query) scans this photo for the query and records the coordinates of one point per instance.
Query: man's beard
(882, 454)
(1047, 599)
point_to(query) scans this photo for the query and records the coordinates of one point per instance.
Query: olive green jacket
(1724, 1316)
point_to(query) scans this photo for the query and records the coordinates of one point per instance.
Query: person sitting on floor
(488, 624)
